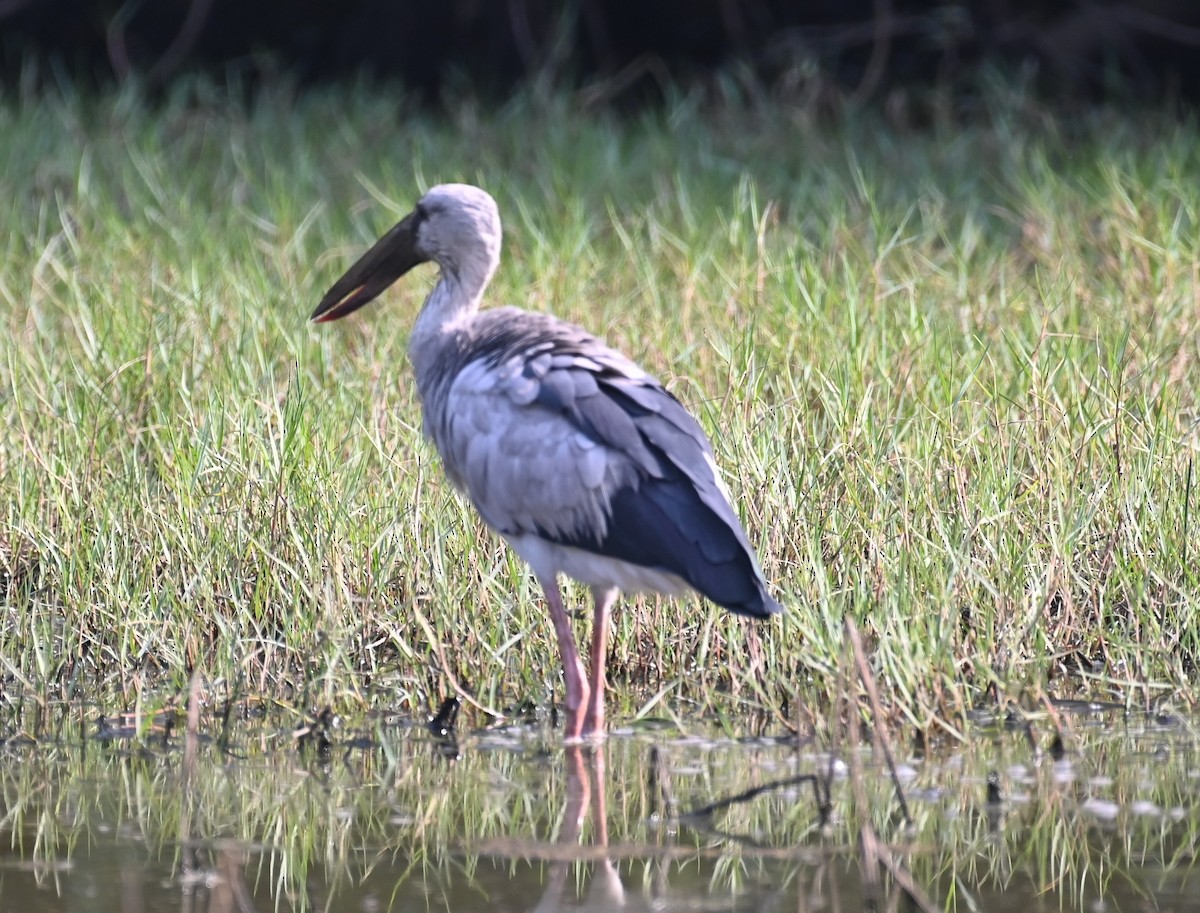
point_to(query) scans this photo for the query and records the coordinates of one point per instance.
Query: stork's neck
(452, 303)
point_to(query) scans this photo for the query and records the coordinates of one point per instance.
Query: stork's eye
(422, 212)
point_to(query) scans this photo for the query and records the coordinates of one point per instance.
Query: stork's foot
(593, 725)
(587, 723)
(576, 726)
(577, 701)
(593, 717)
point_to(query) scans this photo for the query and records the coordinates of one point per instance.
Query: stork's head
(455, 225)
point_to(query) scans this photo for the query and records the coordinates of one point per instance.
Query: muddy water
(387, 817)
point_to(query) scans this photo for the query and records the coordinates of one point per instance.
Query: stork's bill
(391, 257)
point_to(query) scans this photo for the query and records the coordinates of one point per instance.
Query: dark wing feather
(677, 518)
(597, 415)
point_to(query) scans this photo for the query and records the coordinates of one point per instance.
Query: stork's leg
(602, 598)
(577, 687)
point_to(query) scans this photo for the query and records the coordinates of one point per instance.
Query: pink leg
(577, 688)
(603, 598)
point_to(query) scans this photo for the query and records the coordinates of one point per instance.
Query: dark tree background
(620, 47)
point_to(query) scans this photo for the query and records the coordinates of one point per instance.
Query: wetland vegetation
(950, 373)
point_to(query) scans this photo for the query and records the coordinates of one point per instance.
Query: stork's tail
(761, 605)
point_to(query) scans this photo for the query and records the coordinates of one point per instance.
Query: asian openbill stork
(580, 460)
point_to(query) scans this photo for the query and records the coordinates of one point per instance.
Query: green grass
(951, 376)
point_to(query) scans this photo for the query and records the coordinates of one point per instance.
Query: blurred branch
(175, 54)
(881, 48)
(114, 41)
(185, 40)
(522, 35)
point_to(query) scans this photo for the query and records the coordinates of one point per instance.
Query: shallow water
(390, 818)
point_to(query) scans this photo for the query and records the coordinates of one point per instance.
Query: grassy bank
(951, 376)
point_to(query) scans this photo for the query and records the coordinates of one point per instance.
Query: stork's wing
(552, 433)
